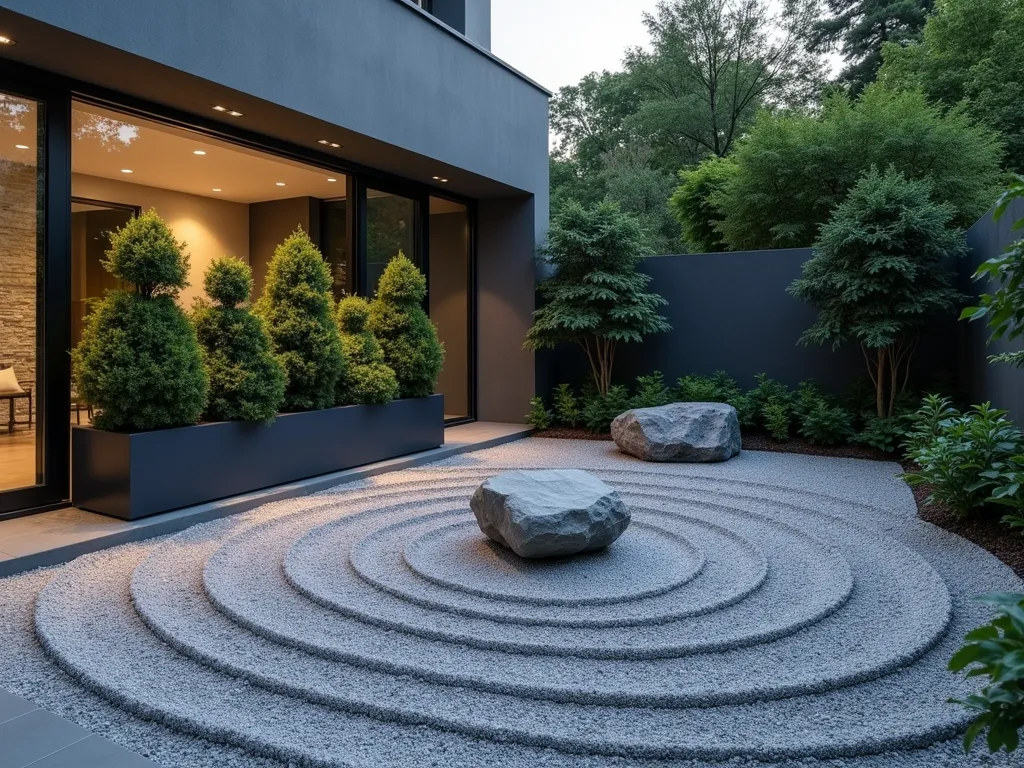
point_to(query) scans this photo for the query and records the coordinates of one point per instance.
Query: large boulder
(549, 513)
(679, 432)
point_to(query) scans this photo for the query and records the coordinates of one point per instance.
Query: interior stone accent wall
(19, 227)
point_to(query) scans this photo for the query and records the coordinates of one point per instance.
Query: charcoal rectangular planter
(133, 475)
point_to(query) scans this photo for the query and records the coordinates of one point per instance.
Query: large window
(390, 230)
(22, 207)
(449, 299)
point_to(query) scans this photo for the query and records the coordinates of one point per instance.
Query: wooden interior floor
(18, 456)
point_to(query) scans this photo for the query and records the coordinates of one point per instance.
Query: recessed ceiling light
(280, 183)
(21, 146)
(232, 112)
(331, 180)
(127, 170)
(326, 143)
(219, 108)
(198, 152)
(217, 189)
(4, 40)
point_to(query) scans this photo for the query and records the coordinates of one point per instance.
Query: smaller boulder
(549, 513)
(697, 432)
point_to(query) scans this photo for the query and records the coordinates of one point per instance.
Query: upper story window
(424, 4)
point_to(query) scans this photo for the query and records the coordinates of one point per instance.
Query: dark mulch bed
(982, 527)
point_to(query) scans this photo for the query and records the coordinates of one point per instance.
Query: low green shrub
(807, 397)
(367, 378)
(599, 411)
(882, 434)
(768, 390)
(824, 423)
(566, 406)
(996, 652)
(928, 421)
(964, 449)
(651, 391)
(777, 418)
(409, 339)
(539, 416)
(139, 361)
(1007, 478)
(696, 389)
(717, 388)
(246, 380)
(297, 307)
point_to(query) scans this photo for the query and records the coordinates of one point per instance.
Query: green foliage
(824, 423)
(970, 55)
(144, 253)
(966, 447)
(297, 307)
(995, 651)
(1007, 479)
(597, 297)
(1004, 309)
(634, 182)
(246, 380)
(717, 388)
(367, 378)
(928, 422)
(879, 274)
(794, 168)
(777, 418)
(768, 390)
(651, 391)
(808, 395)
(860, 29)
(696, 389)
(882, 434)
(567, 406)
(539, 416)
(139, 362)
(411, 347)
(695, 203)
(599, 411)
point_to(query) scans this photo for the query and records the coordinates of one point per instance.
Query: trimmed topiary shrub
(539, 416)
(298, 309)
(367, 378)
(246, 380)
(409, 339)
(139, 362)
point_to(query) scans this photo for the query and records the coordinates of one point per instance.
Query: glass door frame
(52, 391)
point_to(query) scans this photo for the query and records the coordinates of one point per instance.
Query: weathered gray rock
(549, 513)
(679, 432)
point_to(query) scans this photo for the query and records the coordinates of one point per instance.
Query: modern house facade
(377, 126)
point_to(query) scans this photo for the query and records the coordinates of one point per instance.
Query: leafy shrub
(717, 388)
(808, 396)
(246, 380)
(882, 434)
(599, 411)
(367, 379)
(297, 307)
(768, 390)
(996, 651)
(539, 416)
(651, 391)
(567, 406)
(777, 418)
(409, 339)
(696, 389)
(693, 203)
(1007, 478)
(928, 421)
(139, 361)
(965, 447)
(825, 424)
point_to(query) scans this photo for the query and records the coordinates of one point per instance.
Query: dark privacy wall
(731, 312)
(999, 383)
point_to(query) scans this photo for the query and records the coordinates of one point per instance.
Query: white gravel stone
(549, 513)
(684, 432)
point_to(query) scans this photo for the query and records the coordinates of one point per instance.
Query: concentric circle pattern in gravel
(774, 610)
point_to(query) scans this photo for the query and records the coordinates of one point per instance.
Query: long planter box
(133, 475)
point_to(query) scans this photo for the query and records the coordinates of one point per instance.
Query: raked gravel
(776, 610)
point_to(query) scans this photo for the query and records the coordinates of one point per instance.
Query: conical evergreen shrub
(297, 307)
(367, 379)
(139, 362)
(408, 338)
(246, 379)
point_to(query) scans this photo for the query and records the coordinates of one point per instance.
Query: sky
(557, 42)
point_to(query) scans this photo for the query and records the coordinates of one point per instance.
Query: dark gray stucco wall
(377, 67)
(478, 22)
(731, 312)
(998, 383)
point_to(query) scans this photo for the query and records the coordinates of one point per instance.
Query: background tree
(1004, 309)
(632, 179)
(367, 378)
(860, 29)
(589, 118)
(712, 64)
(408, 338)
(695, 204)
(596, 297)
(880, 271)
(298, 309)
(139, 361)
(246, 380)
(794, 168)
(971, 54)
